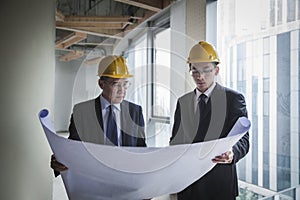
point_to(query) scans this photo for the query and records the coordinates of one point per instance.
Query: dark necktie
(111, 132)
(202, 104)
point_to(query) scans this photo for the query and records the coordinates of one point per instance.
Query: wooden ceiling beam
(92, 24)
(59, 16)
(70, 39)
(100, 19)
(110, 32)
(72, 55)
(148, 14)
(95, 44)
(99, 32)
(154, 5)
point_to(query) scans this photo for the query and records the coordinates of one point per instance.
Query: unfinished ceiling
(82, 25)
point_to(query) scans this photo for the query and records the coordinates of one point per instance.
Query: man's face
(114, 89)
(204, 74)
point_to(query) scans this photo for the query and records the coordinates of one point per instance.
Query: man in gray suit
(108, 119)
(207, 113)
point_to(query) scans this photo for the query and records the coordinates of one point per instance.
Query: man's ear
(100, 83)
(217, 70)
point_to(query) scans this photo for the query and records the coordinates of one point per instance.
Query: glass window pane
(161, 82)
(269, 77)
(136, 62)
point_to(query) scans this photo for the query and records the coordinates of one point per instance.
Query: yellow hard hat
(114, 67)
(203, 52)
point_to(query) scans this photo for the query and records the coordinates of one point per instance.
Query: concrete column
(195, 29)
(27, 86)
(196, 19)
(186, 32)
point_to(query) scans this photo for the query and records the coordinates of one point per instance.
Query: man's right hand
(57, 166)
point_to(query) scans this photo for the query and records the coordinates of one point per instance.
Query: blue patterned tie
(111, 132)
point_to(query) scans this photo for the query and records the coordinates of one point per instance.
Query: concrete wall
(27, 86)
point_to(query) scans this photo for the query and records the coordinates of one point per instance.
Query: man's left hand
(224, 158)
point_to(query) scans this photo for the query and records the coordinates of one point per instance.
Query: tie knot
(110, 108)
(202, 97)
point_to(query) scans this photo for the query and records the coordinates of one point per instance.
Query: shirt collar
(207, 92)
(105, 104)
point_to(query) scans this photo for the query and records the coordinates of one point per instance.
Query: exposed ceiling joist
(100, 19)
(96, 33)
(59, 16)
(154, 5)
(72, 55)
(147, 15)
(121, 19)
(104, 26)
(84, 25)
(107, 32)
(95, 44)
(72, 38)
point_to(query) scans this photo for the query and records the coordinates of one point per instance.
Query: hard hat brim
(201, 61)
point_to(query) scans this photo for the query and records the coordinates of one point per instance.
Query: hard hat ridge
(203, 52)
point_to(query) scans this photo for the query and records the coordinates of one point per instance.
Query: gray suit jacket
(87, 123)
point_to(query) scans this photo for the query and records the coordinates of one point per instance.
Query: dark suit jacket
(87, 123)
(223, 108)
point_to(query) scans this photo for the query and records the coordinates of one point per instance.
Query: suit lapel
(125, 124)
(99, 111)
(188, 117)
(217, 107)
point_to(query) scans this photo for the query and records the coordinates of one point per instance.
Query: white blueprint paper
(110, 172)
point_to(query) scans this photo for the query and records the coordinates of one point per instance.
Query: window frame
(163, 25)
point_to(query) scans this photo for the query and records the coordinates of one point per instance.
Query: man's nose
(201, 75)
(121, 89)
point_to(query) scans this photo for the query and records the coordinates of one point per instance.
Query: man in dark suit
(207, 113)
(108, 119)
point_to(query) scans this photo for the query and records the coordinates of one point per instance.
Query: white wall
(27, 86)
(65, 74)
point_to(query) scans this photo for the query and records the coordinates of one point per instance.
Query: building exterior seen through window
(260, 54)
